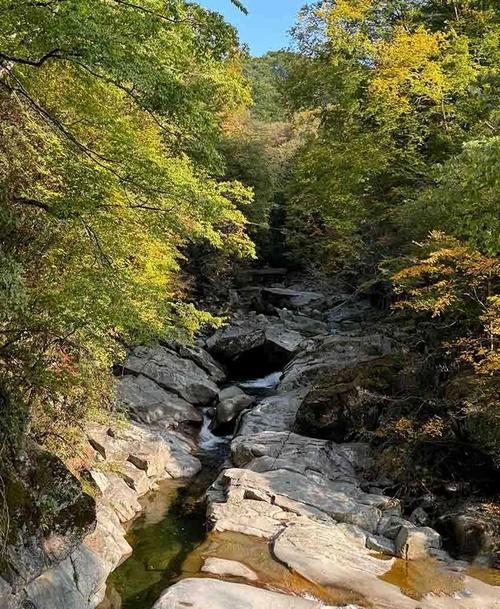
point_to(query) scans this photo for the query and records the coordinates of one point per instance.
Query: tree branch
(32, 203)
(37, 63)
(151, 12)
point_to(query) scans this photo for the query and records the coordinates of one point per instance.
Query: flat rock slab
(334, 555)
(228, 568)
(173, 372)
(303, 455)
(295, 299)
(311, 494)
(214, 594)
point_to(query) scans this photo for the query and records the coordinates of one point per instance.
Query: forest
(146, 158)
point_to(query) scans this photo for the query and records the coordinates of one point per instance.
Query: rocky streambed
(277, 510)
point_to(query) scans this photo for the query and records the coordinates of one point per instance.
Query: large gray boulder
(274, 413)
(204, 360)
(158, 452)
(414, 543)
(228, 410)
(76, 583)
(172, 372)
(327, 355)
(49, 514)
(256, 342)
(149, 403)
(307, 326)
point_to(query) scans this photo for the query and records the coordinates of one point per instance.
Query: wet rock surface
(308, 498)
(292, 483)
(213, 594)
(128, 460)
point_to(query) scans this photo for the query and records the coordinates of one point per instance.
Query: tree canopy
(110, 117)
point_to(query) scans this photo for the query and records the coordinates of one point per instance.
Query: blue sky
(265, 27)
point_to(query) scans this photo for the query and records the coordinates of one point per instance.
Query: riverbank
(295, 513)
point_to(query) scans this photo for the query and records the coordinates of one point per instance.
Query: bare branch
(37, 63)
(32, 203)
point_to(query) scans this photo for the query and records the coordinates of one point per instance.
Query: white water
(265, 384)
(207, 441)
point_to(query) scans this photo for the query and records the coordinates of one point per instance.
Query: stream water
(170, 542)
(172, 523)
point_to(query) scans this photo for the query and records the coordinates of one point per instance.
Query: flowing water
(170, 542)
(172, 523)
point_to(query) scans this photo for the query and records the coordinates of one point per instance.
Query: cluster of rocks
(309, 496)
(293, 481)
(162, 390)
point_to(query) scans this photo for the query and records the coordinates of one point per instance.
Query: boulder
(255, 346)
(108, 541)
(472, 531)
(414, 543)
(133, 443)
(172, 372)
(215, 594)
(419, 517)
(232, 341)
(204, 360)
(230, 392)
(181, 462)
(228, 568)
(389, 526)
(117, 494)
(49, 513)
(380, 544)
(76, 583)
(228, 410)
(148, 403)
(327, 355)
(347, 400)
(274, 413)
(136, 478)
(307, 326)
(7, 599)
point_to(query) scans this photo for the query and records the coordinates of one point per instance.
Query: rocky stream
(214, 496)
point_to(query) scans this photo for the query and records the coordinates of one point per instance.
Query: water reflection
(161, 537)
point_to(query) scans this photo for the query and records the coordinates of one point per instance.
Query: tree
(394, 91)
(110, 117)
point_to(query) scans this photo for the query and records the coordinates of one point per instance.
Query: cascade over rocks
(310, 496)
(292, 480)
